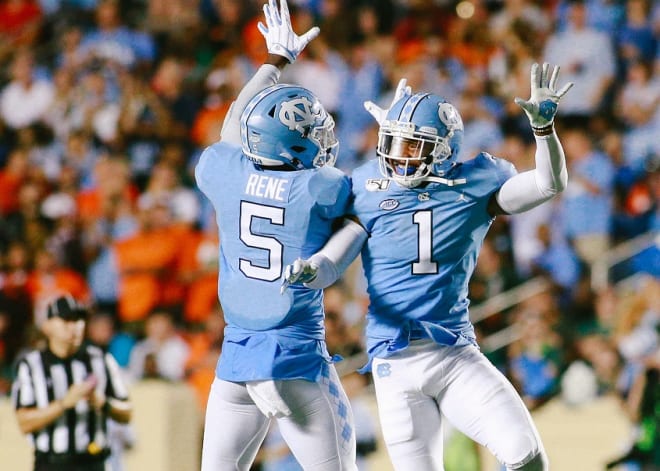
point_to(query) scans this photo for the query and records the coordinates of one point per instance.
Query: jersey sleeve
(502, 168)
(115, 387)
(331, 189)
(22, 391)
(211, 163)
(367, 184)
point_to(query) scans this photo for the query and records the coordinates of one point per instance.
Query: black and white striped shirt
(42, 377)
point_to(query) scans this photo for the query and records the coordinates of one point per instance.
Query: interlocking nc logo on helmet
(449, 116)
(297, 113)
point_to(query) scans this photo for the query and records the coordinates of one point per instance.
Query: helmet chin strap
(430, 179)
(445, 181)
(403, 181)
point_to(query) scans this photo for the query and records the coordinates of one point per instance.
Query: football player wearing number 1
(426, 215)
(276, 194)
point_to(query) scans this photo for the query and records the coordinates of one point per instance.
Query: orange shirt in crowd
(15, 17)
(90, 203)
(208, 122)
(200, 366)
(205, 347)
(199, 270)
(175, 285)
(145, 261)
(9, 186)
(12, 176)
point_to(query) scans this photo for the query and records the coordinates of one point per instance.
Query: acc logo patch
(377, 184)
(297, 113)
(388, 205)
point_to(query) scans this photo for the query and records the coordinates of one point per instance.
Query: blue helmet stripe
(254, 101)
(409, 107)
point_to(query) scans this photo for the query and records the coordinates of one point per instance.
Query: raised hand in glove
(542, 105)
(279, 35)
(299, 272)
(379, 113)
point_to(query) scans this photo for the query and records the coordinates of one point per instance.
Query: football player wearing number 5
(276, 194)
(426, 215)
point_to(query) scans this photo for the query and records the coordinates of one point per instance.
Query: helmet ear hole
(271, 113)
(297, 149)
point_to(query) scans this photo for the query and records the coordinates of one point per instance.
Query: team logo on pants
(384, 370)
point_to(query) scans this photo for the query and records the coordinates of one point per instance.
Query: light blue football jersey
(421, 251)
(266, 220)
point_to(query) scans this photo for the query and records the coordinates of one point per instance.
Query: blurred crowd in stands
(105, 106)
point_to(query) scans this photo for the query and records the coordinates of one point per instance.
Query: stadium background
(105, 106)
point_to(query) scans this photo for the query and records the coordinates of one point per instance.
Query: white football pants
(319, 431)
(415, 387)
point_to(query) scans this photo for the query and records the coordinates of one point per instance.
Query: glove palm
(542, 105)
(279, 35)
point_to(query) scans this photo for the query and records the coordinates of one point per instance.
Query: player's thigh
(320, 431)
(410, 420)
(234, 428)
(482, 403)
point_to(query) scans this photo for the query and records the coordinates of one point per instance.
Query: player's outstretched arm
(526, 190)
(326, 266)
(284, 46)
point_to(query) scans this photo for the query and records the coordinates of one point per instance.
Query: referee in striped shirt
(64, 394)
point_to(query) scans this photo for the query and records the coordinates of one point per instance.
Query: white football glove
(542, 105)
(279, 35)
(379, 113)
(299, 272)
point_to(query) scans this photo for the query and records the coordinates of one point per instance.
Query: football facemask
(420, 136)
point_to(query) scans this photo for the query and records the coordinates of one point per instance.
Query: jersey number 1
(275, 215)
(424, 265)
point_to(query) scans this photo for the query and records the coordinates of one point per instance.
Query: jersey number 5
(424, 264)
(275, 215)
